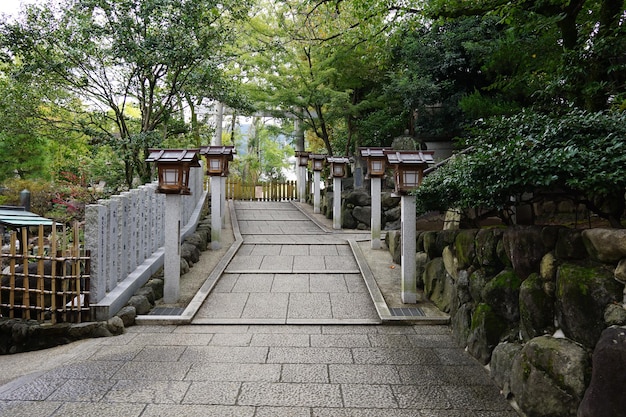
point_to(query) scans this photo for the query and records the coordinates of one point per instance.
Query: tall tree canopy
(125, 58)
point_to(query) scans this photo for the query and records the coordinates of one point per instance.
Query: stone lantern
(338, 171)
(376, 167)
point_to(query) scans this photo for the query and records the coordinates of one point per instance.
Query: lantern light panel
(218, 158)
(338, 164)
(409, 168)
(376, 161)
(317, 161)
(173, 168)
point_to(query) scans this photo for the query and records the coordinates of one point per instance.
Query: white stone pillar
(171, 268)
(302, 183)
(316, 192)
(223, 201)
(216, 215)
(376, 212)
(336, 203)
(409, 282)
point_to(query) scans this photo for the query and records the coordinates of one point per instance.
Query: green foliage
(581, 155)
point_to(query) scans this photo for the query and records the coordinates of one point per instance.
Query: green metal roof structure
(18, 217)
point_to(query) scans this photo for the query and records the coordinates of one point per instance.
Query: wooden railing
(46, 280)
(269, 191)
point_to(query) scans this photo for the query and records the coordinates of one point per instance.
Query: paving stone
(290, 395)
(290, 283)
(147, 392)
(276, 263)
(231, 339)
(266, 306)
(160, 353)
(309, 355)
(88, 390)
(225, 283)
(30, 388)
(394, 356)
(28, 408)
(253, 283)
(324, 250)
(282, 412)
(82, 409)
(165, 371)
(212, 392)
(280, 339)
(234, 372)
(266, 250)
(304, 373)
(309, 306)
(197, 410)
(368, 396)
(292, 250)
(328, 283)
(340, 340)
(421, 397)
(310, 263)
(223, 305)
(224, 354)
(363, 374)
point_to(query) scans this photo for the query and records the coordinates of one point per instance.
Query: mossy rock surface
(536, 309)
(485, 332)
(465, 248)
(502, 294)
(582, 295)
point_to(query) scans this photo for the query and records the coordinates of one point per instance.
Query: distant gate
(267, 191)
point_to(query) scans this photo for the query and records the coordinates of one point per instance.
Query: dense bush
(578, 155)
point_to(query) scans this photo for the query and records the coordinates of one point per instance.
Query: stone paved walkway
(288, 271)
(256, 370)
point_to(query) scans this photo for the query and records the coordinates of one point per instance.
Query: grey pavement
(290, 326)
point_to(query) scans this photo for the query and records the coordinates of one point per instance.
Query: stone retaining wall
(538, 306)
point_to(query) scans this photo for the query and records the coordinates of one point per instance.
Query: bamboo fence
(50, 284)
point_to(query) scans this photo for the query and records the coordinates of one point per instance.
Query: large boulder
(502, 294)
(605, 395)
(347, 219)
(549, 377)
(605, 245)
(461, 322)
(199, 240)
(486, 330)
(389, 200)
(525, 248)
(536, 307)
(358, 198)
(465, 247)
(393, 242)
(363, 214)
(501, 364)
(569, 244)
(438, 285)
(582, 294)
(486, 250)
(190, 253)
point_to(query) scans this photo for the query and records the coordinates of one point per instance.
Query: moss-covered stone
(465, 248)
(525, 248)
(536, 309)
(502, 294)
(549, 376)
(485, 249)
(582, 294)
(485, 332)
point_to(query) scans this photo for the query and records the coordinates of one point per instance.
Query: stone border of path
(377, 297)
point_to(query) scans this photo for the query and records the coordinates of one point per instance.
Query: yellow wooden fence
(269, 191)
